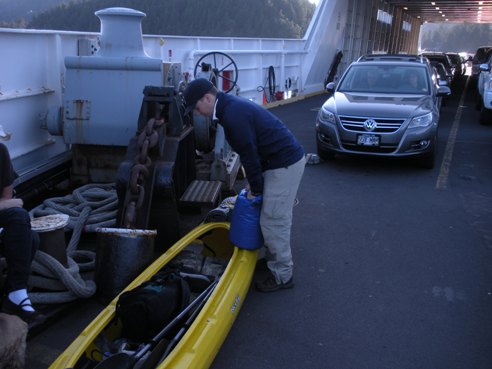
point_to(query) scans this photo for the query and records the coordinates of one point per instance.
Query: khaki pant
(279, 193)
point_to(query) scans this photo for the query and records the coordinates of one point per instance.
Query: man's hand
(251, 195)
(11, 203)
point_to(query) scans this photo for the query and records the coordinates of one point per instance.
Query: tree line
(455, 37)
(219, 18)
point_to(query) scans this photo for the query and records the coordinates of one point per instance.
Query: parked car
(442, 77)
(395, 116)
(484, 85)
(442, 72)
(441, 58)
(480, 57)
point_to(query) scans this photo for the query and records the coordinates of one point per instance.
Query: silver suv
(484, 85)
(384, 105)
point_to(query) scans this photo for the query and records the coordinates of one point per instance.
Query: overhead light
(447, 19)
(480, 3)
(444, 15)
(433, 3)
(437, 8)
(405, 8)
(440, 12)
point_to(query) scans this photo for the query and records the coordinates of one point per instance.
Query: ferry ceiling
(453, 11)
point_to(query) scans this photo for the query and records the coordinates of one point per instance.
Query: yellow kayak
(201, 341)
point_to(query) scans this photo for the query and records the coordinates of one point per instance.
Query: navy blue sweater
(260, 138)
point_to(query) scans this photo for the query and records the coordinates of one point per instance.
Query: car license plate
(368, 140)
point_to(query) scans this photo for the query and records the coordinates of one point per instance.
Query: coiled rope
(88, 207)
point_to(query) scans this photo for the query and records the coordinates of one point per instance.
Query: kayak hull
(200, 344)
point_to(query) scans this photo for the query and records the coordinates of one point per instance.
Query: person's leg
(18, 246)
(19, 296)
(279, 193)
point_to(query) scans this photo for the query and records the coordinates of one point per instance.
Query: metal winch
(160, 160)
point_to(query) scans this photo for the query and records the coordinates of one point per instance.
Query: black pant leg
(19, 244)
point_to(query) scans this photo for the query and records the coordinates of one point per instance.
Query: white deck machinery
(160, 160)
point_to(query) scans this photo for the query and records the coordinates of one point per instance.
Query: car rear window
(440, 58)
(481, 54)
(455, 58)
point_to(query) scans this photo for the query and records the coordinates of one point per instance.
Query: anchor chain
(139, 172)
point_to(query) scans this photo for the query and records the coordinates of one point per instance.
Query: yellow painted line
(442, 179)
(293, 99)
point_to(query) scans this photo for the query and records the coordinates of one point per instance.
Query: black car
(457, 62)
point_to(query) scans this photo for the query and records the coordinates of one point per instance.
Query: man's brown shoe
(271, 285)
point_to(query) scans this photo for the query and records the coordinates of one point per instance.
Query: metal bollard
(121, 255)
(51, 231)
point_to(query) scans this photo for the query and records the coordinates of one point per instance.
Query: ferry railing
(33, 74)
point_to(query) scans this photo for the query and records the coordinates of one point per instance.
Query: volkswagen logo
(370, 125)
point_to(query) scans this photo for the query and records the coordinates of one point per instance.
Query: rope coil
(88, 207)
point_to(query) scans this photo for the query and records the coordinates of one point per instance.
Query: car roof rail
(433, 53)
(392, 57)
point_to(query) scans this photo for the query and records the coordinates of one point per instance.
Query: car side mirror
(484, 67)
(443, 91)
(330, 86)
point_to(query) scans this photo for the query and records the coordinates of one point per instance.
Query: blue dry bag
(245, 230)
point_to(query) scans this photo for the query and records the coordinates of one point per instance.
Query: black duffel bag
(146, 309)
